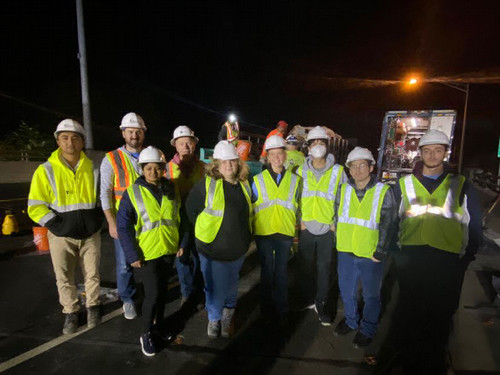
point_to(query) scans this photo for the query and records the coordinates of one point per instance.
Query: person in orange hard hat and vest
(439, 234)
(184, 170)
(119, 170)
(63, 198)
(280, 131)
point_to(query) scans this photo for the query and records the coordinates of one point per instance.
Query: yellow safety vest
(318, 197)
(185, 184)
(358, 222)
(124, 173)
(294, 159)
(55, 187)
(209, 220)
(435, 219)
(275, 208)
(157, 226)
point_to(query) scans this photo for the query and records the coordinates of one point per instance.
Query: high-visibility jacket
(436, 219)
(232, 131)
(294, 159)
(358, 222)
(70, 196)
(181, 182)
(318, 197)
(157, 226)
(210, 219)
(125, 173)
(276, 206)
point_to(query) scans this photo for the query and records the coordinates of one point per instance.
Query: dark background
(193, 62)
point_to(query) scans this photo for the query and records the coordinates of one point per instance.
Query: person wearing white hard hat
(275, 196)
(365, 212)
(184, 170)
(294, 157)
(63, 198)
(220, 208)
(148, 229)
(439, 234)
(321, 178)
(280, 131)
(119, 170)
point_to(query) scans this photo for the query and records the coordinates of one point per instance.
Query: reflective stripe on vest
(359, 221)
(437, 220)
(210, 219)
(157, 224)
(276, 206)
(370, 224)
(417, 209)
(329, 195)
(124, 173)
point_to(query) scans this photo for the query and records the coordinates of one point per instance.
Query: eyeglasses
(360, 167)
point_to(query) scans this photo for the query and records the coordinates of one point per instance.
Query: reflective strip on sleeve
(46, 218)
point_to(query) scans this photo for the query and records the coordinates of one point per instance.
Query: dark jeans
(317, 248)
(273, 272)
(155, 274)
(188, 270)
(352, 270)
(125, 282)
(430, 283)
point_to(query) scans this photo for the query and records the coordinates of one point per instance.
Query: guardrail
(24, 155)
(487, 180)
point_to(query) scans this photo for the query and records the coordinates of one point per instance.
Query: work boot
(323, 315)
(227, 326)
(129, 311)
(360, 340)
(70, 323)
(213, 329)
(93, 316)
(342, 328)
(184, 300)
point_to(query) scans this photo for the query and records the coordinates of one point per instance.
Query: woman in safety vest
(365, 213)
(275, 195)
(221, 210)
(148, 229)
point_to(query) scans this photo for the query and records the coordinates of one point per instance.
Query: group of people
(203, 217)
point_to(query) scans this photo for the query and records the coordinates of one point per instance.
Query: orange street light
(413, 81)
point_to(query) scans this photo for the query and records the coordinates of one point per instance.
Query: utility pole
(82, 56)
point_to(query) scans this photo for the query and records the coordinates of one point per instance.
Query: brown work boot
(93, 316)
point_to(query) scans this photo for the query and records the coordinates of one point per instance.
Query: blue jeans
(124, 274)
(187, 272)
(273, 272)
(221, 284)
(351, 270)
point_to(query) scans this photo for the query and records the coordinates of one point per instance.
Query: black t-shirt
(233, 238)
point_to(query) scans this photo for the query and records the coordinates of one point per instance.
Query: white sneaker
(129, 311)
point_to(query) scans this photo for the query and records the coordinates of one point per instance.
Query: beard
(135, 143)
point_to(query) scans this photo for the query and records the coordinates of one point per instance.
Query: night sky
(193, 62)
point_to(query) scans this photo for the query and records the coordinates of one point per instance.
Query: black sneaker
(360, 340)
(342, 328)
(324, 317)
(93, 316)
(147, 344)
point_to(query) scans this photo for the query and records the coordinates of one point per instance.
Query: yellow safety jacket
(318, 197)
(358, 222)
(124, 173)
(157, 226)
(435, 219)
(58, 191)
(275, 208)
(185, 184)
(210, 219)
(294, 159)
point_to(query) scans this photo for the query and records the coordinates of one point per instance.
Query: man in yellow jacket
(63, 198)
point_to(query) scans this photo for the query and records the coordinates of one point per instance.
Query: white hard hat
(360, 153)
(434, 137)
(318, 132)
(69, 125)
(132, 120)
(182, 131)
(225, 150)
(274, 141)
(151, 155)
